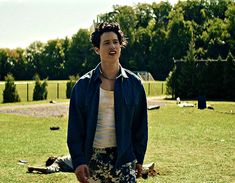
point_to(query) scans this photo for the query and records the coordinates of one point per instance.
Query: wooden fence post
(27, 91)
(148, 88)
(58, 90)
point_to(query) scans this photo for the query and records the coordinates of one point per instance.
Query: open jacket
(130, 117)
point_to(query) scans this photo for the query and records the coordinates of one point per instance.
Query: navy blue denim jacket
(130, 117)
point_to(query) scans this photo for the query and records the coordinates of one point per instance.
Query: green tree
(53, 59)
(70, 84)
(191, 53)
(19, 63)
(142, 42)
(170, 83)
(219, 7)
(143, 14)
(161, 13)
(216, 38)
(80, 52)
(10, 93)
(160, 62)
(40, 89)
(127, 19)
(66, 46)
(4, 65)
(34, 56)
(179, 35)
(230, 19)
(195, 10)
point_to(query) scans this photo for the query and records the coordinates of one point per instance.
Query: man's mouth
(112, 52)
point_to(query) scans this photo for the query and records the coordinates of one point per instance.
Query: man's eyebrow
(106, 41)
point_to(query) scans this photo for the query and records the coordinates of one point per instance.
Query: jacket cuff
(77, 162)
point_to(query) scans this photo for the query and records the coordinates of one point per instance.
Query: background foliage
(213, 79)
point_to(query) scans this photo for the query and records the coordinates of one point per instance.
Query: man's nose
(112, 45)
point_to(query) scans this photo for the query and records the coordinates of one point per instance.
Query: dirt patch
(159, 100)
(38, 110)
(54, 109)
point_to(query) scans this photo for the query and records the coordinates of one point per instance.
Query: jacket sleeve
(76, 129)
(140, 127)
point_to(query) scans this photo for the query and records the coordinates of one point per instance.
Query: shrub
(10, 93)
(213, 79)
(170, 88)
(40, 90)
(70, 84)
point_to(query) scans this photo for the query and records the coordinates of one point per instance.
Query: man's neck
(110, 70)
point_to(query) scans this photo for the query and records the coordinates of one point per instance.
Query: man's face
(110, 48)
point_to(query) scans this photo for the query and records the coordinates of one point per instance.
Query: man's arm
(76, 130)
(140, 127)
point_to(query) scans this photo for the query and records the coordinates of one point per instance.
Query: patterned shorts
(102, 168)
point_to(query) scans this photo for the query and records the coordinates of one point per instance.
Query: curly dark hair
(107, 27)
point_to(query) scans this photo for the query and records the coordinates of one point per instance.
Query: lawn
(188, 145)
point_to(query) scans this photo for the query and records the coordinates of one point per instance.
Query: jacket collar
(97, 72)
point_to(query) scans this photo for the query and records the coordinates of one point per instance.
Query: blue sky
(25, 21)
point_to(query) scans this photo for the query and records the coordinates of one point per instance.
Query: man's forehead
(112, 35)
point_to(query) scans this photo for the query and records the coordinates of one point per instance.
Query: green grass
(57, 89)
(154, 88)
(28, 138)
(191, 145)
(188, 145)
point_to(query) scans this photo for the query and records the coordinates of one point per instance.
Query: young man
(107, 127)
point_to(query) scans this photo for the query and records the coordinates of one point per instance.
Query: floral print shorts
(102, 168)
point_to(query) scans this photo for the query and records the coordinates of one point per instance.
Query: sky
(25, 21)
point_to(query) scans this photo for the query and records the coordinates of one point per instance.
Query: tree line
(156, 33)
(213, 79)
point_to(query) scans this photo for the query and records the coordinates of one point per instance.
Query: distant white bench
(151, 107)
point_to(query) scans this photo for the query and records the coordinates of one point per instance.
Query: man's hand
(82, 173)
(138, 170)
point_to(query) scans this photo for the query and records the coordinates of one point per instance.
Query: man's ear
(97, 50)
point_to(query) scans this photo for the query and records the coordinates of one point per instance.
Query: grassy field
(57, 89)
(188, 145)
